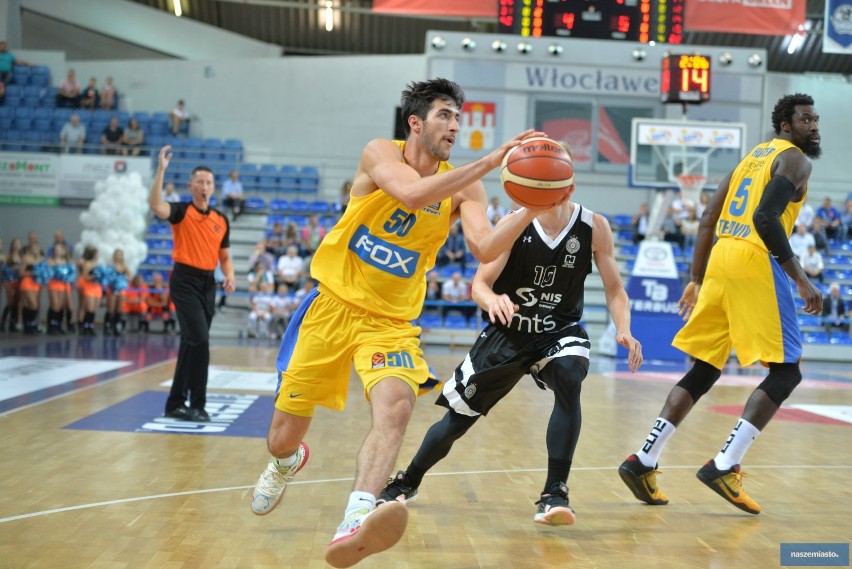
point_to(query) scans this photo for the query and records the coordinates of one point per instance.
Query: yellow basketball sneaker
(729, 485)
(642, 481)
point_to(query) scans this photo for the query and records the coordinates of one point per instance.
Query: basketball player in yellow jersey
(745, 301)
(371, 270)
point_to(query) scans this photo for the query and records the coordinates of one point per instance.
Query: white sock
(288, 461)
(359, 501)
(736, 446)
(649, 454)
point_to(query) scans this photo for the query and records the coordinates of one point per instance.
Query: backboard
(662, 149)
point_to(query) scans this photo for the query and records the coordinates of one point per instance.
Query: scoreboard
(632, 20)
(685, 78)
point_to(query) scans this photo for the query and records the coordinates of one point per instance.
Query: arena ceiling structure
(299, 27)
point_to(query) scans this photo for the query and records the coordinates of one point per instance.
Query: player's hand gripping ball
(537, 173)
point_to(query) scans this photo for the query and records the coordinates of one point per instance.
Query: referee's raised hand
(165, 157)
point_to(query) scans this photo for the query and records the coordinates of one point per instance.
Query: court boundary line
(350, 479)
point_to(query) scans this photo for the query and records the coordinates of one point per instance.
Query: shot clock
(685, 79)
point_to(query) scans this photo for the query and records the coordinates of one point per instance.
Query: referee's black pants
(193, 292)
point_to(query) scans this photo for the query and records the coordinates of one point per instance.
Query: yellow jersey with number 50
(745, 191)
(377, 255)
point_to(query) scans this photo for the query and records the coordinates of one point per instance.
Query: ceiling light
(726, 58)
(438, 42)
(524, 47)
(468, 44)
(177, 7)
(755, 60)
(639, 54)
(498, 46)
(555, 49)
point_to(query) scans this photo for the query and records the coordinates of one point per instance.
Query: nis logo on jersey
(382, 254)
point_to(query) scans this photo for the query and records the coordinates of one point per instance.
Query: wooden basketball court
(105, 498)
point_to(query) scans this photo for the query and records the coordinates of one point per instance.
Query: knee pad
(699, 379)
(781, 381)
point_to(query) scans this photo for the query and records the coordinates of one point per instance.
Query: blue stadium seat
(455, 321)
(13, 140)
(23, 113)
(21, 74)
(7, 113)
(429, 321)
(15, 92)
(48, 97)
(622, 220)
(5, 126)
(43, 113)
(62, 114)
(300, 206)
(43, 125)
(319, 206)
(22, 124)
(279, 205)
(211, 149)
(255, 204)
(32, 92)
(233, 149)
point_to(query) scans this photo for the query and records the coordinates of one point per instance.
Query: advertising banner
(468, 8)
(763, 17)
(39, 179)
(838, 27)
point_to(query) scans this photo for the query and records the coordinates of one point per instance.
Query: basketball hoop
(690, 186)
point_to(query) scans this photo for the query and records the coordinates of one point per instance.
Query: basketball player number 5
(740, 199)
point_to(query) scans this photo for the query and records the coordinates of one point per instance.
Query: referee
(201, 241)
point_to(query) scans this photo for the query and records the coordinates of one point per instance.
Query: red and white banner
(468, 8)
(761, 17)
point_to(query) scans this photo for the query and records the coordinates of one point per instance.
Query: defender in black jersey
(533, 297)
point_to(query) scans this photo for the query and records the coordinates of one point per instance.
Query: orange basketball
(538, 172)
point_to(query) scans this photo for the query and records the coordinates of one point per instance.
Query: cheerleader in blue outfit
(115, 287)
(11, 278)
(62, 274)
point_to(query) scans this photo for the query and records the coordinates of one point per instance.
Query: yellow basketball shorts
(745, 303)
(326, 337)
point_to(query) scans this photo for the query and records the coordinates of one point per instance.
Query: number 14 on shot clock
(685, 78)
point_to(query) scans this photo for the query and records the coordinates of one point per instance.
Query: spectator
(108, 93)
(261, 254)
(495, 210)
(689, 227)
(671, 229)
(433, 286)
(680, 207)
(312, 234)
(260, 311)
(7, 64)
(68, 92)
(455, 290)
(282, 305)
(345, 188)
(806, 217)
(111, 137)
(274, 238)
(233, 196)
(133, 139)
(703, 202)
(639, 223)
(159, 304)
(179, 117)
(812, 263)
(289, 268)
(834, 316)
(846, 220)
(307, 286)
(454, 249)
(258, 274)
(800, 240)
(89, 96)
(170, 195)
(73, 135)
(135, 305)
(827, 222)
(290, 236)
